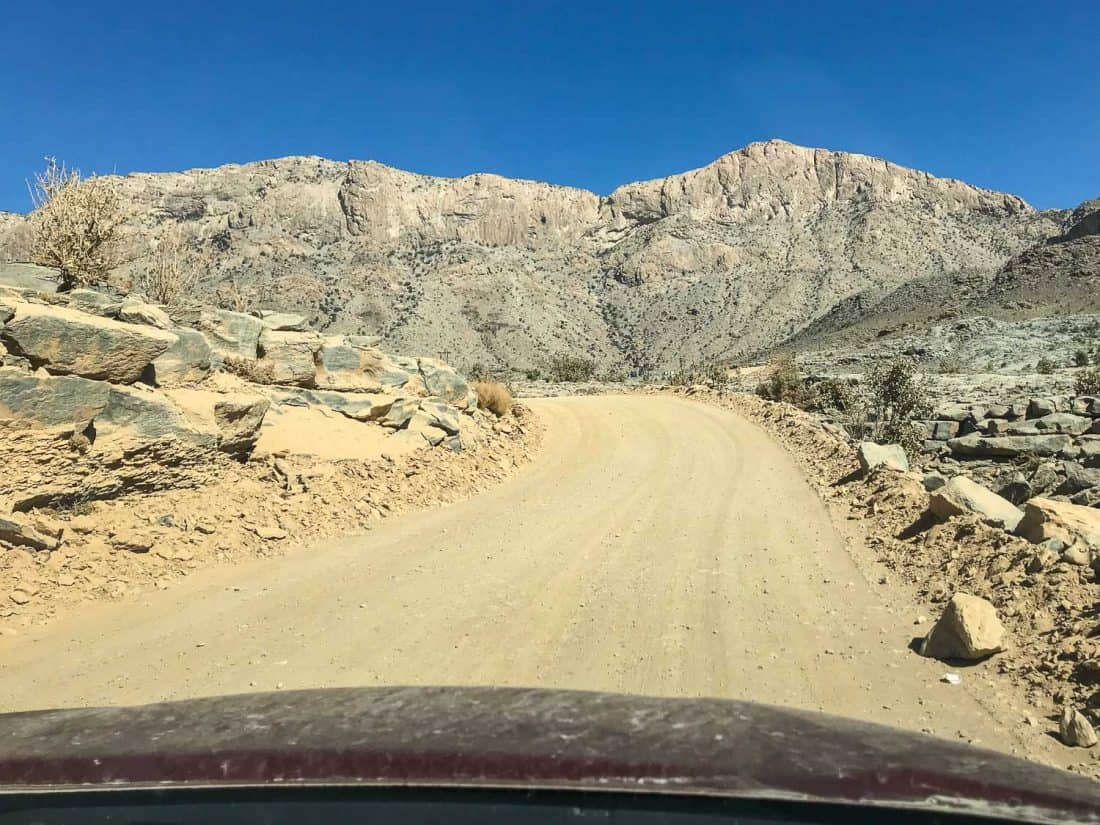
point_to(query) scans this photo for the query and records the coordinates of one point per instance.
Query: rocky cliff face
(713, 263)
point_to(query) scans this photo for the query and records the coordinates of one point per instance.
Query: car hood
(508, 737)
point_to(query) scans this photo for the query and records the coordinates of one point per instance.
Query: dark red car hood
(503, 737)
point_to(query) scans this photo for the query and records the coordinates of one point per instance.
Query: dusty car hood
(504, 737)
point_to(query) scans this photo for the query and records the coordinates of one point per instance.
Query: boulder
(1038, 407)
(400, 413)
(1089, 447)
(284, 321)
(872, 455)
(289, 357)
(961, 495)
(423, 424)
(147, 416)
(133, 311)
(28, 277)
(1014, 487)
(239, 419)
(952, 412)
(968, 629)
(344, 366)
(442, 415)
(52, 401)
(394, 371)
(1075, 729)
(68, 342)
(943, 430)
(1054, 423)
(232, 334)
(1009, 446)
(1045, 478)
(1078, 478)
(187, 361)
(442, 381)
(94, 302)
(21, 531)
(360, 406)
(1045, 519)
(1084, 405)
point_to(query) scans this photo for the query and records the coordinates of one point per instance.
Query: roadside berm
(141, 441)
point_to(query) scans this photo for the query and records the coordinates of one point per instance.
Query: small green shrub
(705, 372)
(1080, 358)
(1044, 366)
(896, 397)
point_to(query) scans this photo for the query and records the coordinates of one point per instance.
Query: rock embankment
(1016, 585)
(127, 426)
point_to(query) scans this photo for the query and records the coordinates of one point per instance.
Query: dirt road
(656, 546)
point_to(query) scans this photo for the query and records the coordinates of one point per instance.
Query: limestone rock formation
(711, 264)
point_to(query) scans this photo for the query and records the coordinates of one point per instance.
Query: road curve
(655, 546)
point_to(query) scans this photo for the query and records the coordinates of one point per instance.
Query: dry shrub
(235, 297)
(74, 224)
(785, 382)
(250, 369)
(493, 396)
(174, 270)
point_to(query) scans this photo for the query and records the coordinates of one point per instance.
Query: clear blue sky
(1001, 94)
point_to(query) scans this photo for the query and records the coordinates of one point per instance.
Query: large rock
(239, 418)
(284, 321)
(232, 334)
(961, 496)
(1066, 423)
(441, 415)
(21, 531)
(133, 311)
(360, 406)
(342, 365)
(442, 381)
(968, 629)
(1009, 446)
(28, 277)
(1047, 519)
(94, 302)
(873, 455)
(50, 402)
(187, 361)
(1076, 730)
(68, 342)
(289, 357)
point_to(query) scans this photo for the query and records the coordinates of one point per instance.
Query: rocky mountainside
(714, 263)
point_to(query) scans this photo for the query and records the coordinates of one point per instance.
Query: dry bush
(1087, 382)
(493, 396)
(174, 270)
(235, 297)
(785, 382)
(299, 289)
(563, 367)
(74, 224)
(250, 369)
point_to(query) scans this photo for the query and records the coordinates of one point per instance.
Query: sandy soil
(656, 545)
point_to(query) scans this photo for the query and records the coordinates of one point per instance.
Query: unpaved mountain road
(655, 546)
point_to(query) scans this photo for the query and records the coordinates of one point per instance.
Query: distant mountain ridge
(713, 263)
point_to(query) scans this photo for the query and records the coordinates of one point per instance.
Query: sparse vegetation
(258, 372)
(1044, 366)
(235, 297)
(493, 396)
(1087, 381)
(174, 270)
(710, 373)
(951, 364)
(564, 367)
(74, 224)
(896, 396)
(785, 382)
(1081, 358)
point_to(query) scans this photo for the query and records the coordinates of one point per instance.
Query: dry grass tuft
(493, 396)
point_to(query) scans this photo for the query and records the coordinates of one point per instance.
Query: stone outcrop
(1045, 519)
(716, 262)
(68, 342)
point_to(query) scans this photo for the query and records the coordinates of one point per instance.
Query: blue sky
(1004, 95)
